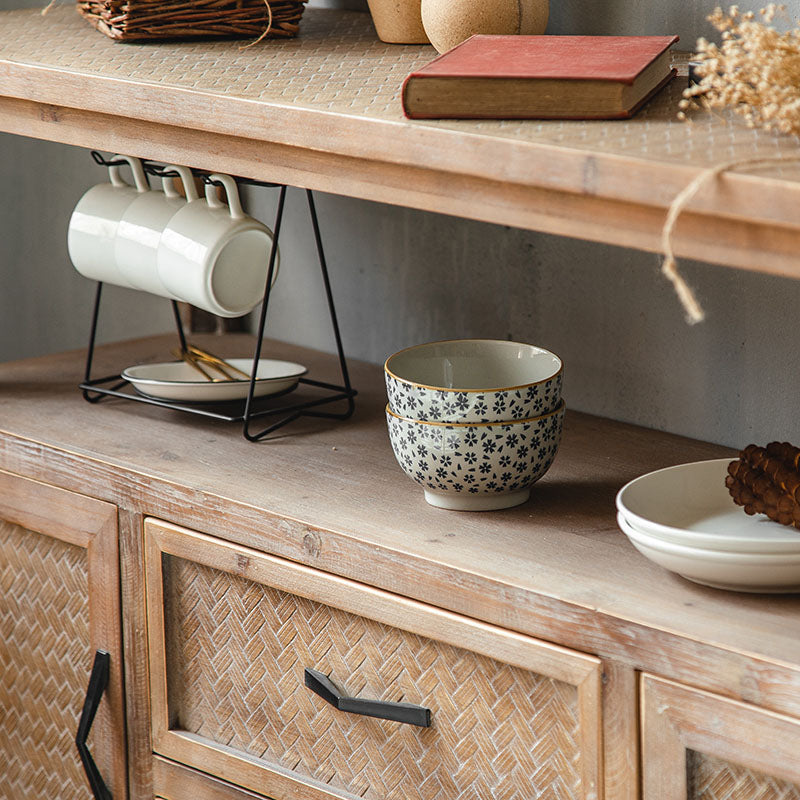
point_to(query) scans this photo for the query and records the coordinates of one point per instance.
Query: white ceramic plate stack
(684, 519)
(476, 422)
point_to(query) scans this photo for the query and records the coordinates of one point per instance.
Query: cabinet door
(59, 604)
(699, 746)
(232, 631)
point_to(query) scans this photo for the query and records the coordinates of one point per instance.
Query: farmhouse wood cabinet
(553, 659)
(555, 662)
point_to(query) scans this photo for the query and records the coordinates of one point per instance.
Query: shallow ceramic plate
(689, 504)
(177, 380)
(742, 572)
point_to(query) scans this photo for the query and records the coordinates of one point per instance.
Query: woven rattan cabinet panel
(715, 779)
(231, 632)
(698, 746)
(43, 662)
(58, 605)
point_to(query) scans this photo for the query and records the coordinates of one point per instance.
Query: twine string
(263, 33)
(669, 268)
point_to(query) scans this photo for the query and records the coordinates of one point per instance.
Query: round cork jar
(398, 21)
(449, 22)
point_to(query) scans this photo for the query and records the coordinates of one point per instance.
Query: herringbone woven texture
(236, 654)
(44, 665)
(715, 779)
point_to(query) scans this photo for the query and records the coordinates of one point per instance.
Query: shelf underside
(323, 111)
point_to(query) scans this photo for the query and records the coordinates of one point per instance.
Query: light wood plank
(137, 687)
(664, 774)
(620, 731)
(176, 782)
(35, 505)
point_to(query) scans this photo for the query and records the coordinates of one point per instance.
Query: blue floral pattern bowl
(473, 380)
(476, 467)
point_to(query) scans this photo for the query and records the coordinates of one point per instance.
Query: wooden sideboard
(554, 658)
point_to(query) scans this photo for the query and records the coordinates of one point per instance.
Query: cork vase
(448, 22)
(398, 21)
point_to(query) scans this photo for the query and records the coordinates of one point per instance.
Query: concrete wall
(402, 277)
(45, 305)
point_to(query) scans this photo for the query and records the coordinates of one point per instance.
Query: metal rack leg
(95, 397)
(345, 392)
(332, 309)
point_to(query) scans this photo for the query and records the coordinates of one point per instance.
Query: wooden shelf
(331, 495)
(323, 111)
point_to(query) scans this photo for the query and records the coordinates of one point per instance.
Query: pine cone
(766, 480)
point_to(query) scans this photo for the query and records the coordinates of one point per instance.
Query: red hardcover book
(540, 77)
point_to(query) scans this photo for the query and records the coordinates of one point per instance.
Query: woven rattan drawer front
(231, 632)
(699, 746)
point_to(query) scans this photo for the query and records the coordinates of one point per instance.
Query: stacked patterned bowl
(476, 422)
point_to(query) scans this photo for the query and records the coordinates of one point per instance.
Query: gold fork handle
(192, 362)
(217, 362)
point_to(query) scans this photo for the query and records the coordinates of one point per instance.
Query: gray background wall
(402, 276)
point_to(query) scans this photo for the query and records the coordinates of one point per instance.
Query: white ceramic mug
(214, 256)
(141, 227)
(94, 222)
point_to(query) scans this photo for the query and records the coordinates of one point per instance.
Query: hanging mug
(94, 222)
(214, 256)
(141, 228)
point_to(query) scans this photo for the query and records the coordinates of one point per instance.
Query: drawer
(699, 746)
(232, 631)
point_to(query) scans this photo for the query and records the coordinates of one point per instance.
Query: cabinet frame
(677, 718)
(582, 671)
(92, 525)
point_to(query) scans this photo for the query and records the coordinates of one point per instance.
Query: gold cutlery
(204, 362)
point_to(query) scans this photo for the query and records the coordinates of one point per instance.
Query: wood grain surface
(323, 111)
(331, 495)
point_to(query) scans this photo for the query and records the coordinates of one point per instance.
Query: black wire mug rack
(252, 407)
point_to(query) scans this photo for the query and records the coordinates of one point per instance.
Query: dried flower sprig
(755, 70)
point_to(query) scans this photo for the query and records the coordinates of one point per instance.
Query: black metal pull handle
(98, 681)
(399, 712)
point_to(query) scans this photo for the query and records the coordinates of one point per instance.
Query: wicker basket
(139, 20)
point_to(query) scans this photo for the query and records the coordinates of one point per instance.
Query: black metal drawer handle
(398, 712)
(98, 681)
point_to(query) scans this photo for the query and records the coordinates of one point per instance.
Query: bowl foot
(476, 502)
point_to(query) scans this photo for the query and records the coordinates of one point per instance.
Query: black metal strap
(398, 712)
(98, 681)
